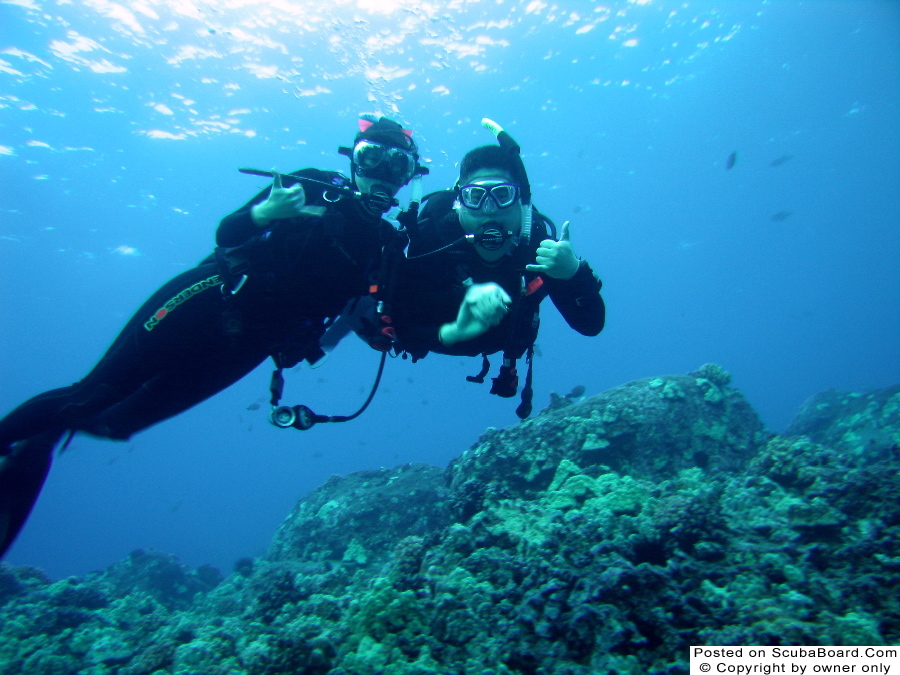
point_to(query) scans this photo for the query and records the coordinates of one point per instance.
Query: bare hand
(282, 203)
(483, 307)
(487, 302)
(556, 259)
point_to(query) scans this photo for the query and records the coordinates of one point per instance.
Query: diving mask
(374, 160)
(475, 195)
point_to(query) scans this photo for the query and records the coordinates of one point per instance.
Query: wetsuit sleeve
(578, 300)
(238, 227)
(418, 340)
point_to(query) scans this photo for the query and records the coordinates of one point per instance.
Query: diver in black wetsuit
(287, 262)
(480, 261)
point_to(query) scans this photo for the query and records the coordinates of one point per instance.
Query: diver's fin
(22, 475)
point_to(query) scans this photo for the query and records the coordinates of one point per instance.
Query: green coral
(673, 391)
(602, 537)
(356, 553)
(105, 645)
(714, 373)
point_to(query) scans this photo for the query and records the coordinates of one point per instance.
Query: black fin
(22, 475)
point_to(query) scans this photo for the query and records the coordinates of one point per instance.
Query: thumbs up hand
(556, 259)
(283, 202)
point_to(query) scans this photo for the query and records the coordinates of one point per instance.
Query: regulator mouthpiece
(490, 238)
(379, 200)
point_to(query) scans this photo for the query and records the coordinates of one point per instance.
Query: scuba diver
(481, 259)
(287, 264)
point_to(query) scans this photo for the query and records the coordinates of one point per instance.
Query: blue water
(122, 125)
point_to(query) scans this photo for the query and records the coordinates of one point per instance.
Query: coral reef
(605, 535)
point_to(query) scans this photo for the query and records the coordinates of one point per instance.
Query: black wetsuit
(430, 288)
(266, 293)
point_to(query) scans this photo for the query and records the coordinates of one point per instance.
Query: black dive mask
(383, 162)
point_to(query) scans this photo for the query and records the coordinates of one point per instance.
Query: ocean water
(122, 126)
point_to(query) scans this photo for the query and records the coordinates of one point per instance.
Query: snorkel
(508, 144)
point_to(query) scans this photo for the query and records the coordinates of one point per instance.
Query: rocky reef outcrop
(605, 535)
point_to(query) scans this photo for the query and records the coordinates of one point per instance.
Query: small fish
(253, 406)
(778, 161)
(780, 216)
(577, 392)
(732, 158)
